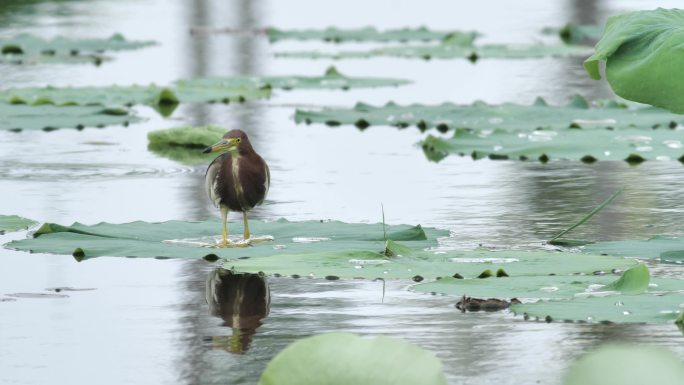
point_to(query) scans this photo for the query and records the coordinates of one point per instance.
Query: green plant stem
(588, 216)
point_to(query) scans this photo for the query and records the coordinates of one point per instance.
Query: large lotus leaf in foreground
(644, 57)
(633, 145)
(311, 248)
(28, 48)
(13, 223)
(485, 117)
(347, 359)
(667, 249)
(450, 50)
(48, 117)
(370, 34)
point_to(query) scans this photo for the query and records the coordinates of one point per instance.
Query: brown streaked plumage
(237, 180)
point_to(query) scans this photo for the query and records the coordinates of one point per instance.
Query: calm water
(147, 321)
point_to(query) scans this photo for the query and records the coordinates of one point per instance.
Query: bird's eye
(237, 140)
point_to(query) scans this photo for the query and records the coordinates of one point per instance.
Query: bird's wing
(210, 183)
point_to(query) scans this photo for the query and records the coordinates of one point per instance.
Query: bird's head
(233, 141)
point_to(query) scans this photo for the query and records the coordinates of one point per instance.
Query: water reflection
(242, 300)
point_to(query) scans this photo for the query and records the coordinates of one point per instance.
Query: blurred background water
(147, 320)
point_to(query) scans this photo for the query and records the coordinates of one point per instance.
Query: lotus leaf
(449, 50)
(632, 145)
(643, 57)
(26, 48)
(644, 308)
(332, 79)
(183, 144)
(370, 34)
(576, 33)
(310, 248)
(626, 365)
(347, 359)
(667, 249)
(486, 117)
(48, 117)
(10, 223)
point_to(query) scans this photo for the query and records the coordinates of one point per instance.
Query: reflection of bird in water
(242, 301)
(237, 180)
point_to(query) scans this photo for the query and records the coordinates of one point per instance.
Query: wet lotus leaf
(643, 56)
(26, 48)
(576, 33)
(370, 34)
(626, 365)
(47, 117)
(10, 223)
(632, 145)
(486, 117)
(644, 308)
(634, 280)
(449, 50)
(347, 359)
(332, 79)
(184, 144)
(667, 249)
(311, 248)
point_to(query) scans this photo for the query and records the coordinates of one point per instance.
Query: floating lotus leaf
(10, 223)
(633, 145)
(347, 359)
(311, 248)
(644, 308)
(26, 48)
(643, 57)
(667, 249)
(370, 34)
(576, 33)
(184, 144)
(486, 117)
(627, 365)
(48, 117)
(449, 50)
(332, 79)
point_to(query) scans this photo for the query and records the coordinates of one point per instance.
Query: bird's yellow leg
(224, 221)
(244, 218)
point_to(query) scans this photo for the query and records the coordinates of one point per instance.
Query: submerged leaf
(370, 34)
(643, 57)
(346, 359)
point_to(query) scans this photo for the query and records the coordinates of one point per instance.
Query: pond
(147, 321)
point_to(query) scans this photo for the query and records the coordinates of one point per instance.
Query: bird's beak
(220, 146)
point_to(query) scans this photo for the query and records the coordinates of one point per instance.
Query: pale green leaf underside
(449, 50)
(49, 117)
(371, 34)
(644, 308)
(185, 144)
(668, 249)
(643, 56)
(311, 248)
(13, 223)
(347, 359)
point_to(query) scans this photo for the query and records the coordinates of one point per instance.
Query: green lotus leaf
(576, 33)
(10, 223)
(626, 365)
(635, 280)
(667, 249)
(184, 144)
(449, 50)
(643, 56)
(370, 34)
(17, 117)
(509, 117)
(644, 308)
(347, 359)
(28, 49)
(310, 248)
(332, 79)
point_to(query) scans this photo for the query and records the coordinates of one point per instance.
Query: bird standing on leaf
(236, 180)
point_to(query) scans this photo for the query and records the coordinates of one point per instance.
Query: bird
(237, 180)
